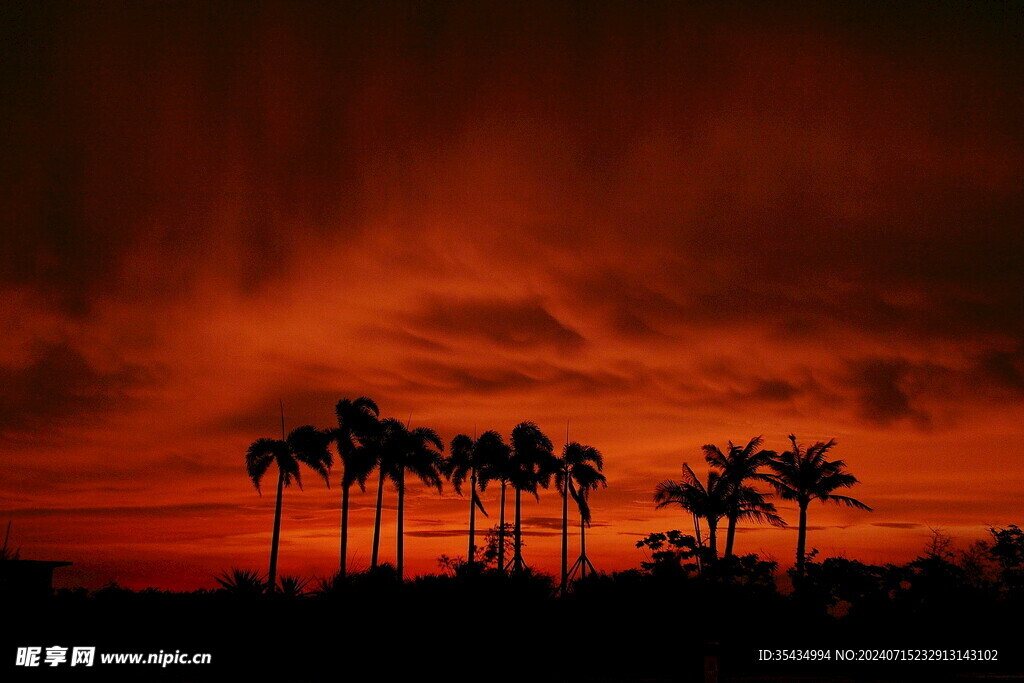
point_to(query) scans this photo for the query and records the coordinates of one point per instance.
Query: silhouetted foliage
(366, 584)
(305, 445)
(245, 583)
(292, 586)
(747, 571)
(532, 464)
(451, 566)
(498, 542)
(704, 501)
(7, 553)
(579, 472)
(665, 606)
(805, 474)
(669, 552)
(357, 421)
(474, 459)
(1008, 551)
(499, 467)
(837, 580)
(739, 465)
(416, 451)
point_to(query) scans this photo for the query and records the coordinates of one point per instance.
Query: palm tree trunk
(472, 518)
(700, 543)
(376, 524)
(565, 530)
(276, 537)
(517, 557)
(583, 549)
(401, 525)
(801, 542)
(501, 532)
(713, 538)
(730, 535)
(344, 527)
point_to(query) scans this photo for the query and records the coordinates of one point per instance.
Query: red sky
(671, 224)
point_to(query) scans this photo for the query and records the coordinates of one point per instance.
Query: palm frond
(479, 504)
(753, 446)
(310, 447)
(495, 458)
(690, 478)
(292, 586)
(259, 457)
(587, 478)
(849, 502)
(366, 405)
(360, 465)
(667, 493)
(714, 456)
(580, 497)
(289, 467)
(356, 417)
(532, 462)
(804, 474)
(242, 582)
(459, 462)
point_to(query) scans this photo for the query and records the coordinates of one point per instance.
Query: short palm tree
(708, 502)
(578, 474)
(356, 420)
(740, 464)
(804, 474)
(532, 464)
(469, 458)
(305, 445)
(246, 583)
(410, 450)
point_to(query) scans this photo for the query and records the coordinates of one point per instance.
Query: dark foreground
(503, 630)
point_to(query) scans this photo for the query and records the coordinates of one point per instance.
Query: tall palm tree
(804, 474)
(702, 501)
(470, 458)
(498, 467)
(356, 420)
(413, 450)
(375, 442)
(578, 474)
(305, 445)
(460, 463)
(532, 464)
(739, 465)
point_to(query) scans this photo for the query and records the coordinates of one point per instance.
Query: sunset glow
(667, 225)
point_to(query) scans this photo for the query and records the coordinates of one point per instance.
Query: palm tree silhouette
(703, 501)
(375, 443)
(578, 474)
(532, 464)
(471, 457)
(417, 451)
(498, 467)
(805, 474)
(356, 419)
(305, 445)
(738, 465)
